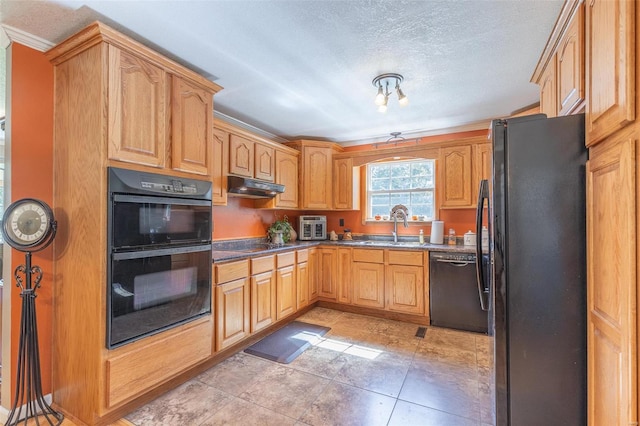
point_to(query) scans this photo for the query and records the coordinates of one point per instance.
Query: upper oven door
(139, 221)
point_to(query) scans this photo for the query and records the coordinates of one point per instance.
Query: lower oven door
(150, 291)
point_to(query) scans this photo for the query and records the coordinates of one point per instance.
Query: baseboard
(4, 413)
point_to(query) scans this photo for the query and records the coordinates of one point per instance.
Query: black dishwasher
(453, 292)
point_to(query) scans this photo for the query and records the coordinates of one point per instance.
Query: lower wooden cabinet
(314, 267)
(326, 273)
(263, 300)
(232, 312)
(343, 286)
(405, 289)
(287, 296)
(302, 278)
(612, 295)
(368, 284)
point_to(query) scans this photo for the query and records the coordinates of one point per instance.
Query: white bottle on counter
(421, 237)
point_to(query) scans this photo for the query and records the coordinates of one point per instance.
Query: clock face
(27, 223)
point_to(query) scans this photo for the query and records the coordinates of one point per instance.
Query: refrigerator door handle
(483, 193)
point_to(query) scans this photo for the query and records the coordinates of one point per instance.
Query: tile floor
(365, 371)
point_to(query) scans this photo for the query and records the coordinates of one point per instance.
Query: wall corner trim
(10, 34)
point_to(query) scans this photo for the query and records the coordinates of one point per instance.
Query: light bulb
(380, 96)
(383, 107)
(402, 99)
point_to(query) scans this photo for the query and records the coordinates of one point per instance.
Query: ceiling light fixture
(394, 139)
(382, 82)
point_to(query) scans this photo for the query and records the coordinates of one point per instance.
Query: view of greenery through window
(407, 182)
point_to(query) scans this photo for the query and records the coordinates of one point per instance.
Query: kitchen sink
(385, 243)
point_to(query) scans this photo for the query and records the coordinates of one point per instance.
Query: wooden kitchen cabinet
(346, 185)
(611, 67)
(368, 278)
(286, 293)
(302, 278)
(265, 162)
(482, 166)
(570, 65)
(456, 176)
(241, 156)
(548, 90)
(191, 127)
(232, 303)
(286, 173)
(314, 278)
(138, 109)
(405, 281)
(326, 273)
(612, 295)
(263, 292)
(113, 107)
(316, 173)
(343, 277)
(219, 146)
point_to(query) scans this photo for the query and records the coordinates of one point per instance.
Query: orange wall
(31, 115)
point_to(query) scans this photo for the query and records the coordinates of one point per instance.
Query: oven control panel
(175, 186)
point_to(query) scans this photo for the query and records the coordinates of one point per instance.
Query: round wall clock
(28, 223)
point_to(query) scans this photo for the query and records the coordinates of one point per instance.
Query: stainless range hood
(252, 188)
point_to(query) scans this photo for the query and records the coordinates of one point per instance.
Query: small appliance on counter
(312, 228)
(470, 238)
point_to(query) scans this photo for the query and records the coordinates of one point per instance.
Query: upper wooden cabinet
(191, 127)
(138, 109)
(265, 162)
(241, 156)
(611, 70)
(482, 163)
(560, 70)
(316, 173)
(346, 184)
(159, 114)
(456, 176)
(220, 146)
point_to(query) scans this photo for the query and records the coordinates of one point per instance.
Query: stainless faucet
(403, 212)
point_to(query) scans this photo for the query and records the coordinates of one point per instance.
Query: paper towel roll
(437, 232)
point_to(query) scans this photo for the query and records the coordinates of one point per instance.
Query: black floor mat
(286, 344)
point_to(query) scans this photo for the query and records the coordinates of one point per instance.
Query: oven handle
(127, 198)
(140, 254)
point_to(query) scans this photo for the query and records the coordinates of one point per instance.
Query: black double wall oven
(159, 253)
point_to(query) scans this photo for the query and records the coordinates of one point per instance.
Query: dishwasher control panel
(453, 257)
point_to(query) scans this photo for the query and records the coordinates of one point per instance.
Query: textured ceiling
(299, 68)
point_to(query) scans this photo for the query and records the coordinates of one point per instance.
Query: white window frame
(369, 193)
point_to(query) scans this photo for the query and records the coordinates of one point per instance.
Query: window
(407, 182)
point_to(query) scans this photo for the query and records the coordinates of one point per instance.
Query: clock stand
(29, 226)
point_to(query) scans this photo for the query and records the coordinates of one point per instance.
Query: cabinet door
(138, 110)
(610, 73)
(287, 175)
(241, 156)
(191, 127)
(482, 161)
(317, 181)
(612, 282)
(343, 277)
(265, 162)
(570, 66)
(219, 167)
(327, 266)
(456, 175)
(314, 279)
(343, 183)
(263, 300)
(368, 284)
(286, 295)
(548, 89)
(232, 313)
(302, 284)
(405, 289)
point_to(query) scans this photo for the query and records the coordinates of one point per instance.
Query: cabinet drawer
(368, 255)
(303, 255)
(402, 257)
(226, 272)
(131, 374)
(286, 259)
(262, 264)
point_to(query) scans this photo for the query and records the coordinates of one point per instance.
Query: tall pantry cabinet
(117, 103)
(602, 38)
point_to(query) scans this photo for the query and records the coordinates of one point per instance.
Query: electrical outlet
(341, 222)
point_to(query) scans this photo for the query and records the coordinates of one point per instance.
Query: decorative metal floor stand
(29, 402)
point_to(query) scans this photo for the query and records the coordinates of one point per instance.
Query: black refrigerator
(534, 209)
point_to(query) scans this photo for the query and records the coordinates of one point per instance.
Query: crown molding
(11, 34)
(248, 127)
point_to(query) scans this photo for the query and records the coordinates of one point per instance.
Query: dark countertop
(232, 253)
